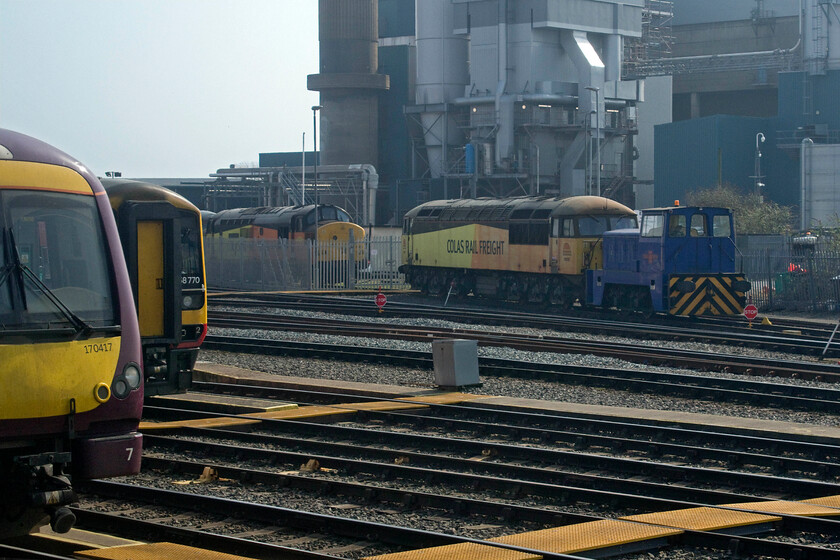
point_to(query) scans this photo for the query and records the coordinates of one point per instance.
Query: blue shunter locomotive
(680, 261)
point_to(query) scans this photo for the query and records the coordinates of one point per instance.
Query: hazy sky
(159, 88)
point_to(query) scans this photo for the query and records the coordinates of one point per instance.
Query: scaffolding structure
(656, 42)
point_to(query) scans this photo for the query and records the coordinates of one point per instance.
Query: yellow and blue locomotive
(70, 357)
(681, 261)
(163, 246)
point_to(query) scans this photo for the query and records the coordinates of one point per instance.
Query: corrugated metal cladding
(690, 155)
(823, 108)
(347, 31)
(394, 143)
(396, 18)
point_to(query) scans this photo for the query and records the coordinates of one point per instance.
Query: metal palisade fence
(292, 265)
(786, 280)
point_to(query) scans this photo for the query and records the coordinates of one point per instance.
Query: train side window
(721, 226)
(652, 225)
(698, 225)
(568, 227)
(676, 225)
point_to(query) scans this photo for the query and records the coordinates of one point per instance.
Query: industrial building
(637, 100)
(443, 99)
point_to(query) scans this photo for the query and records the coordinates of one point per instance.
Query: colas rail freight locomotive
(584, 248)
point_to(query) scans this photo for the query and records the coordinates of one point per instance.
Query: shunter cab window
(676, 225)
(698, 226)
(721, 226)
(59, 242)
(652, 225)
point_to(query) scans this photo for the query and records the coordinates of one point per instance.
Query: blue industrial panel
(396, 18)
(394, 142)
(699, 153)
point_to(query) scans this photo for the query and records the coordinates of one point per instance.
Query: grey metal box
(456, 362)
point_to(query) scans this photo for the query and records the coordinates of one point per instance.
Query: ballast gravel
(499, 386)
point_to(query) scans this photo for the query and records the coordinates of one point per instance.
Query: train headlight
(187, 302)
(126, 382)
(132, 376)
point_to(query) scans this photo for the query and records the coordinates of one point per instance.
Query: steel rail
(418, 500)
(297, 519)
(537, 343)
(512, 487)
(810, 337)
(682, 385)
(138, 529)
(777, 453)
(793, 443)
(476, 448)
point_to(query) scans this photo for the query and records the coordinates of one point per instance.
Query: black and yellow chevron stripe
(713, 294)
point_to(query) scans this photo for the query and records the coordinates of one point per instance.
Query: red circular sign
(380, 300)
(751, 312)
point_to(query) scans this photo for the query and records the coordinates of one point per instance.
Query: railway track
(797, 337)
(669, 357)
(504, 466)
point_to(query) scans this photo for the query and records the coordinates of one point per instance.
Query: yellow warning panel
(157, 551)
(446, 398)
(703, 518)
(580, 537)
(228, 404)
(295, 412)
(460, 551)
(828, 501)
(806, 509)
(196, 423)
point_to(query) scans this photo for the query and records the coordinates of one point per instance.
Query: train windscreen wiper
(82, 328)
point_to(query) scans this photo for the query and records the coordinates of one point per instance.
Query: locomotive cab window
(676, 225)
(698, 225)
(652, 225)
(328, 213)
(721, 226)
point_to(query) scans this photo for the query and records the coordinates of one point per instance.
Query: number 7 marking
(130, 452)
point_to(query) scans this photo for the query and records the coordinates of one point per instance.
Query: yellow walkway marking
(157, 551)
(805, 508)
(404, 403)
(702, 518)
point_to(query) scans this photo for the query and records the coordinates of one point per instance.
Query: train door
(150, 278)
(151, 237)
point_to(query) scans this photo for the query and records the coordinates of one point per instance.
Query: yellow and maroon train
(163, 246)
(70, 353)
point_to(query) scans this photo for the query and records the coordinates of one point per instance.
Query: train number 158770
(97, 348)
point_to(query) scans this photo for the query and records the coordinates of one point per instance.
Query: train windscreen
(54, 265)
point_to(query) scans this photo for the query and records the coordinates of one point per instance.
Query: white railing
(283, 265)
